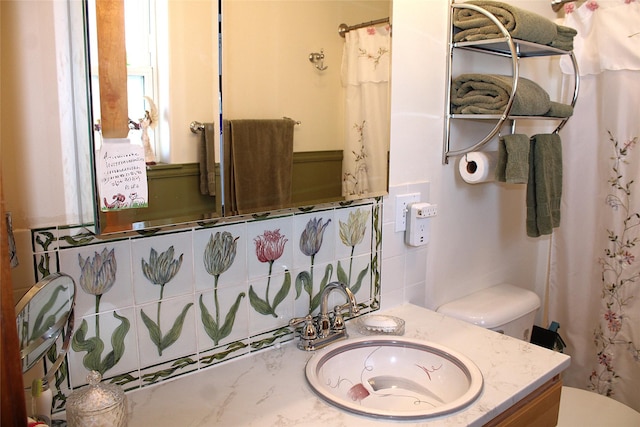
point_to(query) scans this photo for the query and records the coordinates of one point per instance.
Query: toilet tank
(503, 308)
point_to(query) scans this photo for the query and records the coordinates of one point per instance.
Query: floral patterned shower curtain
(594, 285)
(366, 64)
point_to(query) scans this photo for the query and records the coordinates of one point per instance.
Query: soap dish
(378, 324)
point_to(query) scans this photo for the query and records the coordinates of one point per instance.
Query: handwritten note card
(122, 175)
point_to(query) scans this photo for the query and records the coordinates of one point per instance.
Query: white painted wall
(478, 238)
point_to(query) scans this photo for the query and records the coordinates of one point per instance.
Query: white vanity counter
(269, 388)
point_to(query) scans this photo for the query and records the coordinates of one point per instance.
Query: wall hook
(317, 59)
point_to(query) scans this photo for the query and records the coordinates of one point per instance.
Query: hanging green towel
(544, 189)
(207, 160)
(513, 159)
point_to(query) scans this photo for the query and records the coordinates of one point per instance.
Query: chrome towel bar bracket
(196, 127)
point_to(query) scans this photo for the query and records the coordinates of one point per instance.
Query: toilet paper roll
(478, 167)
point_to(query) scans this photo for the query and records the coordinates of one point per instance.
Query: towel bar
(196, 126)
(297, 122)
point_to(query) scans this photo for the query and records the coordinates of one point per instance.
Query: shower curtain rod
(344, 28)
(556, 5)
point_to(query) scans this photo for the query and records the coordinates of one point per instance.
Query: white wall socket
(402, 203)
(427, 210)
(419, 223)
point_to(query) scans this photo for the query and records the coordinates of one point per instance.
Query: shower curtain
(366, 61)
(594, 276)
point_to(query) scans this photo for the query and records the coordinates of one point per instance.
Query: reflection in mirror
(172, 64)
(340, 141)
(337, 152)
(44, 314)
(171, 79)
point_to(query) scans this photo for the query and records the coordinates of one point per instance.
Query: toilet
(502, 308)
(511, 310)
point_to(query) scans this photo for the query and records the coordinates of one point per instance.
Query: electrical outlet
(402, 204)
(428, 210)
(418, 224)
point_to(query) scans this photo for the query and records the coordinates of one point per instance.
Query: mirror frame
(61, 327)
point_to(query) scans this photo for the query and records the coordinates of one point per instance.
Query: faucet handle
(352, 307)
(297, 321)
(338, 320)
(308, 329)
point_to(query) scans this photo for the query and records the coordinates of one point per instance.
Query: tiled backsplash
(153, 307)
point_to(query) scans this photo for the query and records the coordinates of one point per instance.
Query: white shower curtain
(366, 67)
(594, 285)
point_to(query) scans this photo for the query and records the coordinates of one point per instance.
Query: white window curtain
(594, 285)
(365, 75)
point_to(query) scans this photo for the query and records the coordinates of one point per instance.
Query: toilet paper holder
(478, 166)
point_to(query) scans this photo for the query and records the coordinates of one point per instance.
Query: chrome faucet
(324, 329)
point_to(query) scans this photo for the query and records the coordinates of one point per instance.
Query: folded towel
(544, 189)
(513, 159)
(521, 24)
(260, 158)
(557, 109)
(489, 94)
(564, 39)
(207, 160)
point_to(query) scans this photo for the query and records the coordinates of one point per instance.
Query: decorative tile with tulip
(156, 307)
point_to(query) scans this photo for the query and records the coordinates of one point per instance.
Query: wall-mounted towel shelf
(507, 47)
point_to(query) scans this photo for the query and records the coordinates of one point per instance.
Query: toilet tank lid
(492, 307)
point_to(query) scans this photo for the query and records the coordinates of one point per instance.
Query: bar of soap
(377, 324)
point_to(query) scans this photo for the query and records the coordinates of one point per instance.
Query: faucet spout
(324, 322)
(324, 301)
(322, 330)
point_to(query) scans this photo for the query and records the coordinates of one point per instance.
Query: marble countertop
(268, 388)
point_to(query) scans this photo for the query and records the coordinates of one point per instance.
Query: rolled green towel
(520, 23)
(513, 159)
(489, 94)
(557, 109)
(564, 39)
(544, 189)
(562, 44)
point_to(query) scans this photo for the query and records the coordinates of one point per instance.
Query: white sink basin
(394, 377)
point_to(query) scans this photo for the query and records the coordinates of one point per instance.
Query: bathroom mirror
(43, 315)
(265, 72)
